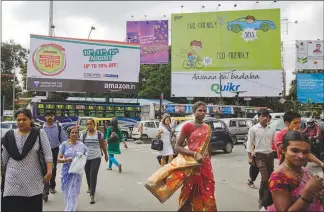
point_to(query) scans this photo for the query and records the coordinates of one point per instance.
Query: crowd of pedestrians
(30, 156)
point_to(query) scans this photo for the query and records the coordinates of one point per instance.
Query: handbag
(78, 164)
(41, 156)
(113, 136)
(157, 144)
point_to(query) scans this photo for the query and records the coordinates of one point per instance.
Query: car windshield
(5, 125)
(277, 124)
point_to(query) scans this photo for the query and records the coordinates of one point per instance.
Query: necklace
(198, 125)
(301, 179)
(298, 175)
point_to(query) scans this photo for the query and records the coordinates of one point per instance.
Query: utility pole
(50, 26)
(160, 110)
(14, 83)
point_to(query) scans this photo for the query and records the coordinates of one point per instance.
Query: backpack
(113, 136)
(59, 128)
(85, 135)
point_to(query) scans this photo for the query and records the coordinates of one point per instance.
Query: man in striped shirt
(56, 136)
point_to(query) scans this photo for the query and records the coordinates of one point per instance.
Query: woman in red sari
(191, 169)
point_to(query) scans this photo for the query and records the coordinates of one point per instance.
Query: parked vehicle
(221, 138)
(238, 127)
(6, 126)
(148, 129)
(318, 152)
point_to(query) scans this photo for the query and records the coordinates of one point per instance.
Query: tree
(13, 56)
(155, 79)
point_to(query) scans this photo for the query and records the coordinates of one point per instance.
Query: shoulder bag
(41, 156)
(157, 144)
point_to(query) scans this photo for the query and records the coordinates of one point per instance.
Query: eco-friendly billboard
(241, 47)
(153, 38)
(309, 54)
(67, 64)
(310, 88)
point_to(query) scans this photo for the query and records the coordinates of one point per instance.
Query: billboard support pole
(160, 109)
(50, 27)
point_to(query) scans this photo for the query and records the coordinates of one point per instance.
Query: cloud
(75, 18)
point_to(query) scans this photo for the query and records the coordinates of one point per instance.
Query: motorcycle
(315, 150)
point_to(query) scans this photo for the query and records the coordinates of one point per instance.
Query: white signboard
(208, 84)
(8, 113)
(66, 64)
(310, 54)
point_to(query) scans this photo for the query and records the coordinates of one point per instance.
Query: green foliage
(13, 56)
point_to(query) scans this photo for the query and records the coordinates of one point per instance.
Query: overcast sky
(75, 18)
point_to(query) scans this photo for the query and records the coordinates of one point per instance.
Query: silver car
(238, 127)
(6, 126)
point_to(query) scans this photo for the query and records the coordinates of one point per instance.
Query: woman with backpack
(27, 163)
(113, 138)
(94, 141)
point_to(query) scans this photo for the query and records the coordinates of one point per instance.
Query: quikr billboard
(243, 48)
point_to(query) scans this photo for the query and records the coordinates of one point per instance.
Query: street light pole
(220, 85)
(13, 95)
(14, 83)
(92, 28)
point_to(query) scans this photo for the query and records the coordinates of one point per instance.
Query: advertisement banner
(309, 54)
(243, 47)
(310, 88)
(153, 38)
(79, 65)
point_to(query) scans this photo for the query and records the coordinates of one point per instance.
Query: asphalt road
(125, 191)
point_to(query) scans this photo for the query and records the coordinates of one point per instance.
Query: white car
(6, 126)
(149, 129)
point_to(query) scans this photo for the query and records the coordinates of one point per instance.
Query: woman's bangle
(306, 200)
(64, 160)
(195, 155)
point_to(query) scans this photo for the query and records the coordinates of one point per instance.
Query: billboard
(310, 88)
(79, 65)
(309, 54)
(153, 38)
(209, 46)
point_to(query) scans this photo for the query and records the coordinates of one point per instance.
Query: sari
(71, 183)
(280, 181)
(197, 180)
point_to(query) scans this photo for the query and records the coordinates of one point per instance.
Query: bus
(152, 111)
(68, 113)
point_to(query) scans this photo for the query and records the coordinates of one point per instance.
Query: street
(125, 191)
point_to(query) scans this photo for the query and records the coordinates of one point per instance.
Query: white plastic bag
(77, 165)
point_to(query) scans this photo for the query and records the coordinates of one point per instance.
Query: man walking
(261, 136)
(56, 136)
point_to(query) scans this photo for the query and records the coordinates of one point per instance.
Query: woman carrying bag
(71, 182)
(113, 138)
(165, 134)
(27, 163)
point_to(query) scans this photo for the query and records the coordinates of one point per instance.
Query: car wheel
(236, 28)
(234, 139)
(228, 148)
(125, 135)
(144, 137)
(265, 27)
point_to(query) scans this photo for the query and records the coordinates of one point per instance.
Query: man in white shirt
(261, 136)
